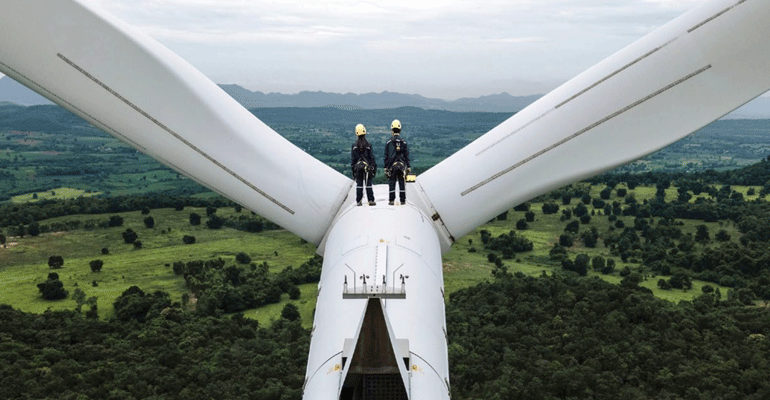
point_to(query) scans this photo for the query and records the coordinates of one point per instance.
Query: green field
(23, 261)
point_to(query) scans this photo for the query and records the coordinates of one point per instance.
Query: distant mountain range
(13, 92)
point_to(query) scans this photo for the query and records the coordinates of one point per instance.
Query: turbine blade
(132, 87)
(654, 92)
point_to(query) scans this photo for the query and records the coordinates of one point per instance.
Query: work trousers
(392, 187)
(362, 179)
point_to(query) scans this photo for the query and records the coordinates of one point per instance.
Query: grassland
(23, 261)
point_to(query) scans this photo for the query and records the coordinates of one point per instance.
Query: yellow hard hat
(360, 130)
(396, 124)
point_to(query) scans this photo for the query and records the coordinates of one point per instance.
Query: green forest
(122, 280)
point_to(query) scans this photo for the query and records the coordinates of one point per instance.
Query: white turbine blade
(661, 88)
(137, 90)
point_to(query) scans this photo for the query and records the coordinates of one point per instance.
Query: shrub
(215, 222)
(521, 224)
(550, 208)
(242, 258)
(522, 207)
(529, 216)
(572, 227)
(195, 219)
(96, 265)
(55, 262)
(52, 288)
(598, 263)
(115, 220)
(129, 236)
(149, 222)
(290, 312)
(187, 239)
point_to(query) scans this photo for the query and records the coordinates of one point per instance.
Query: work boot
(371, 203)
(359, 204)
(403, 202)
(390, 203)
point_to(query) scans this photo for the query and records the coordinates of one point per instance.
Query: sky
(436, 48)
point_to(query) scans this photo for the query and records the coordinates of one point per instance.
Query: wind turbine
(379, 328)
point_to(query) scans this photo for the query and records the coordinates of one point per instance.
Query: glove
(408, 170)
(387, 172)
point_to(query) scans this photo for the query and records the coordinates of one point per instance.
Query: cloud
(351, 45)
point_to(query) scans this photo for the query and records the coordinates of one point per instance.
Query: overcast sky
(437, 48)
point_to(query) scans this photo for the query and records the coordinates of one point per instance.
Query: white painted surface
(135, 89)
(661, 88)
(413, 250)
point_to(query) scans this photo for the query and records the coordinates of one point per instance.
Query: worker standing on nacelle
(396, 163)
(363, 165)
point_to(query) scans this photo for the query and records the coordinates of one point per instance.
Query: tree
(522, 207)
(135, 304)
(702, 234)
(149, 222)
(52, 288)
(93, 312)
(80, 298)
(105, 251)
(2, 239)
(722, 236)
(290, 312)
(581, 263)
(550, 208)
(115, 220)
(294, 292)
(503, 216)
(566, 240)
(55, 262)
(597, 263)
(187, 239)
(34, 229)
(96, 265)
(680, 281)
(242, 258)
(572, 227)
(521, 224)
(129, 236)
(529, 216)
(195, 219)
(610, 267)
(215, 222)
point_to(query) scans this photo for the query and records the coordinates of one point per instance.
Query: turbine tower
(379, 330)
